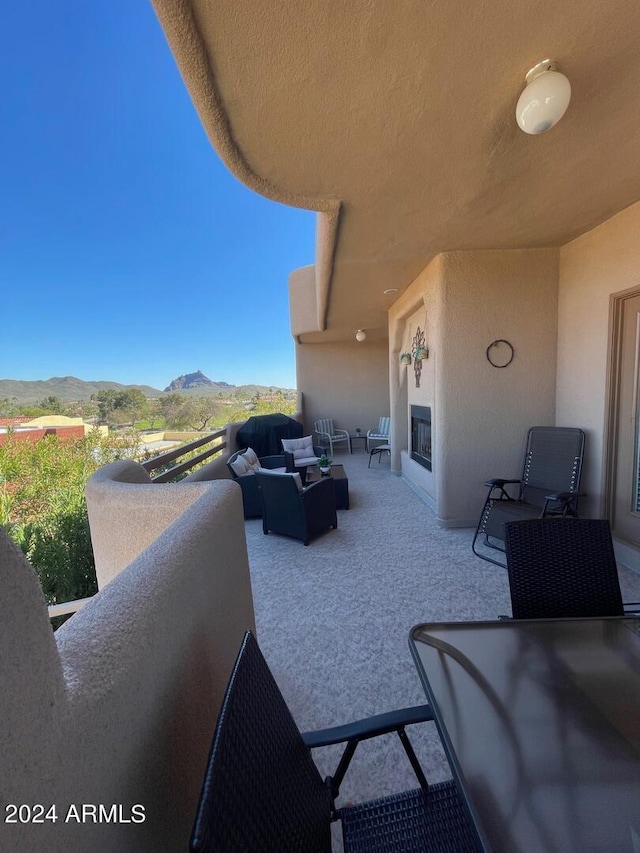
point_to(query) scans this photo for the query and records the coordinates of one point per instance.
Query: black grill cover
(263, 433)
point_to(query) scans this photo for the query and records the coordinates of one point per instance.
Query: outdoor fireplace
(421, 435)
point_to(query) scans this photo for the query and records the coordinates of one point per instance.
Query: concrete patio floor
(333, 618)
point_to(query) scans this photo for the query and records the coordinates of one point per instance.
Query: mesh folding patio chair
(563, 568)
(329, 434)
(263, 793)
(549, 486)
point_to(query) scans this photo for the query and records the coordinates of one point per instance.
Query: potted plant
(405, 358)
(420, 353)
(324, 463)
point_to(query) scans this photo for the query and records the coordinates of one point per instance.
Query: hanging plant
(405, 358)
(420, 353)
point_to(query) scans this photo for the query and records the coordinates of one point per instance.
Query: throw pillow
(300, 447)
(240, 465)
(252, 457)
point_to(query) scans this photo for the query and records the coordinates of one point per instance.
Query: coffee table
(339, 476)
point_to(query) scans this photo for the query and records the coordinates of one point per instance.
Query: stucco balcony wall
(119, 706)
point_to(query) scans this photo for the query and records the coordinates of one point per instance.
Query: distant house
(65, 428)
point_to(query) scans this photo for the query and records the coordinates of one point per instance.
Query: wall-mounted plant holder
(419, 348)
(405, 358)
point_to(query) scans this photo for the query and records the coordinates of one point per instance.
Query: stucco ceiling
(401, 116)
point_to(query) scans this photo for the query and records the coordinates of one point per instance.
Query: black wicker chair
(562, 568)
(262, 792)
(302, 514)
(549, 486)
(251, 501)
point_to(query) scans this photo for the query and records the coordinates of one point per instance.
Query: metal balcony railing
(170, 474)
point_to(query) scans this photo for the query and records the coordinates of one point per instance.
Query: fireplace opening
(421, 435)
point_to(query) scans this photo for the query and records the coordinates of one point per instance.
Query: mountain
(63, 387)
(196, 381)
(69, 388)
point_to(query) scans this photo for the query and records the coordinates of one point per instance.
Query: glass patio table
(540, 720)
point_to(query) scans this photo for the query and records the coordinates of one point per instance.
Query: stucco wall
(64, 420)
(480, 413)
(603, 261)
(303, 304)
(346, 381)
(120, 707)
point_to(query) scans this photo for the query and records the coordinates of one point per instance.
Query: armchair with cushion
(301, 452)
(291, 509)
(243, 466)
(327, 432)
(380, 434)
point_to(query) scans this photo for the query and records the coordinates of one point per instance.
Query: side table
(354, 436)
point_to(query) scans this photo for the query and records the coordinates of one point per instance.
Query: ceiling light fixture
(361, 336)
(545, 98)
(390, 290)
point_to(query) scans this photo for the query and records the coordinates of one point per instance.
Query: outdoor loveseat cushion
(301, 450)
(243, 466)
(245, 463)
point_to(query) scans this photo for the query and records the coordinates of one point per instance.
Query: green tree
(8, 407)
(42, 506)
(105, 400)
(170, 407)
(119, 407)
(196, 413)
(54, 405)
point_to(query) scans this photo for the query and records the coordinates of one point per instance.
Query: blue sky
(128, 252)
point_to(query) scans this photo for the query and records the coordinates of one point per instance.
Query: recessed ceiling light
(390, 290)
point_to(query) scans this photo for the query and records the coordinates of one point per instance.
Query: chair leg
(488, 559)
(417, 769)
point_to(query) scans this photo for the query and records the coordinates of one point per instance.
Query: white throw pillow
(251, 456)
(240, 466)
(298, 446)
